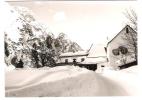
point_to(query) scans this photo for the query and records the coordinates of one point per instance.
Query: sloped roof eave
(119, 33)
(73, 55)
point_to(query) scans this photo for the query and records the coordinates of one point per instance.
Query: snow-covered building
(69, 57)
(92, 59)
(120, 50)
(97, 57)
(117, 53)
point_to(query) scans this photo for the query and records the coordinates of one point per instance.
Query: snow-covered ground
(130, 79)
(73, 81)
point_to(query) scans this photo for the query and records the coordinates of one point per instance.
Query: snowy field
(72, 81)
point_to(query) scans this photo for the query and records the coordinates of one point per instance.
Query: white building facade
(119, 50)
(69, 57)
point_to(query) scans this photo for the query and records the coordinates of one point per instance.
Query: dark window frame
(82, 59)
(66, 61)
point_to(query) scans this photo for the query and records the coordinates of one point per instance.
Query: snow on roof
(79, 53)
(97, 51)
(127, 26)
(94, 60)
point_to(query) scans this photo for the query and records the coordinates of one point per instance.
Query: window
(127, 30)
(123, 50)
(82, 59)
(66, 61)
(102, 66)
(105, 49)
(74, 60)
(115, 52)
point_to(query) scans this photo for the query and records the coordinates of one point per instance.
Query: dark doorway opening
(74, 62)
(88, 66)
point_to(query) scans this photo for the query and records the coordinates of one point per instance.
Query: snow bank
(137, 70)
(23, 78)
(9, 68)
(72, 72)
(73, 81)
(129, 79)
(74, 53)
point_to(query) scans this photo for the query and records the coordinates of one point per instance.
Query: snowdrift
(73, 81)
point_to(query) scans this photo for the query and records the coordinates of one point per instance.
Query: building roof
(94, 60)
(127, 26)
(97, 51)
(72, 54)
(94, 51)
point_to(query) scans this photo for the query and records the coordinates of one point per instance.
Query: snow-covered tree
(35, 45)
(64, 44)
(24, 25)
(131, 37)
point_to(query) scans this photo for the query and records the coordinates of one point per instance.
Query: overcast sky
(85, 22)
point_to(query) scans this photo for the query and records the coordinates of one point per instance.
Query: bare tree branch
(131, 37)
(132, 18)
